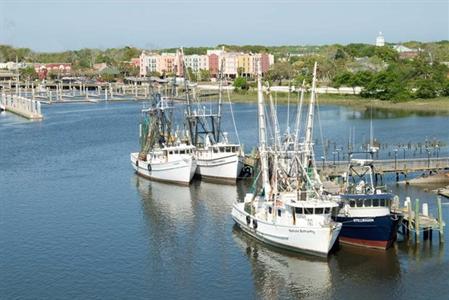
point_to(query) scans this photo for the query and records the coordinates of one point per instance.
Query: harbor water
(76, 222)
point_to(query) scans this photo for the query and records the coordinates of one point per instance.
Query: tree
(205, 75)
(426, 88)
(29, 73)
(241, 84)
(281, 71)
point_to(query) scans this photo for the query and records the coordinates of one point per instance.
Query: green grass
(440, 104)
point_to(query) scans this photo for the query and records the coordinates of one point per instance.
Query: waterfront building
(196, 62)
(148, 63)
(245, 64)
(235, 63)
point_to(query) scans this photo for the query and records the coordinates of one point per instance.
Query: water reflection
(281, 274)
(385, 113)
(364, 273)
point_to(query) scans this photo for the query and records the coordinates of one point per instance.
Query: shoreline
(438, 105)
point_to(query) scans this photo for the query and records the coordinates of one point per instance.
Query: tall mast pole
(262, 132)
(220, 101)
(309, 129)
(298, 116)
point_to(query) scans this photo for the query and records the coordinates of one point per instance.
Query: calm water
(76, 222)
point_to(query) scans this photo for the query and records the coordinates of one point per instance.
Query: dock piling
(440, 219)
(416, 219)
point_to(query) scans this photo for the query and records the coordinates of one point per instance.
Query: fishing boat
(288, 209)
(365, 209)
(217, 157)
(163, 156)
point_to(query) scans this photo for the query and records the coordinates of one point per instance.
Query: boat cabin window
(308, 211)
(382, 202)
(299, 210)
(215, 150)
(170, 152)
(279, 212)
(375, 202)
(183, 152)
(327, 210)
(270, 209)
(368, 203)
(222, 149)
(352, 203)
(359, 202)
(319, 210)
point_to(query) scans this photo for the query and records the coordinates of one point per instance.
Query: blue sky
(54, 25)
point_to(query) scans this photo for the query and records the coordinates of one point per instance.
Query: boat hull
(179, 171)
(221, 168)
(311, 240)
(372, 232)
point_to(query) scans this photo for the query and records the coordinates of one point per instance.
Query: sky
(56, 25)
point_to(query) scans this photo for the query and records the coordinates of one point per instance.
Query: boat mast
(192, 135)
(274, 121)
(298, 117)
(262, 132)
(309, 129)
(220, 101)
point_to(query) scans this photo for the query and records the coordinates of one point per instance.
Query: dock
(24, 107)
(419, 222)
(401, 167)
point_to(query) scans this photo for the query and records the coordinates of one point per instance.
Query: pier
(398, 166)
(27, 108)
(419, 222)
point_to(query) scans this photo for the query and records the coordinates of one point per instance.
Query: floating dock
(24, 107)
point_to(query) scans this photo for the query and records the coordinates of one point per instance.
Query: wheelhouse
(360, 201)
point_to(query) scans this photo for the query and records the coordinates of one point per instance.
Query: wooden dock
(420, 222)
(401, 167)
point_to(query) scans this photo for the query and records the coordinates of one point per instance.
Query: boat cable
(321, 128)
(232, 116)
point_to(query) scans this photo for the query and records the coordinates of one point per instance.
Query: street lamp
(428, 158)
(334, 153)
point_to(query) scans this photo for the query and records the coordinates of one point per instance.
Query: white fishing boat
(163, 156)
(219, 161)
(217, 158)
(171, 164)
(289, 209)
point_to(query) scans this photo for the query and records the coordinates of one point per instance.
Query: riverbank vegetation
(438, 104)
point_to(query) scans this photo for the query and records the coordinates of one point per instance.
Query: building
(245, 64)
(148, 63)
(380, 40)
(405, 52)
(61, 69)
(196, 62)
(234, 63)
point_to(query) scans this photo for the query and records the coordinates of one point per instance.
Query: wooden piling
(410, 220)
(416, 219)
(440, 219)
